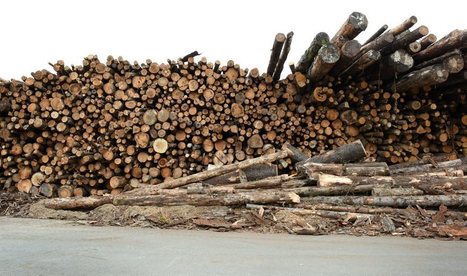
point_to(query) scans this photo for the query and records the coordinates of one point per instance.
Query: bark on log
(354, 25)
(263, 197)
(77, 203)
(388, 191)
(349, 51)
(427, 76)
(332, 191)
(296, 154)
(393, 201)
(215, 172)
(270, 182)
(405, 40)
(407, 24)
(455, 39)
(327, 56)
(358, 169)
(253, 173)
(283, 57)
(275, 52)
(379, 32)
(307, 58)
(348, 153)
(428, 167)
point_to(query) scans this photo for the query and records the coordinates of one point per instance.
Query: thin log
(379, 32)
(275, 52)
(283, 57)
(296, 154)
(407, 24)
(354, 25)
(455, 39)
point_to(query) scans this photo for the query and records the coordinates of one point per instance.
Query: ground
(53, 247)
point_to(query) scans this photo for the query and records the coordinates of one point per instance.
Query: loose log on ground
(379, 32)
(253, 173)
(283, 57)
(393, 201)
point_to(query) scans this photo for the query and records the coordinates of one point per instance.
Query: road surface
(51, 247)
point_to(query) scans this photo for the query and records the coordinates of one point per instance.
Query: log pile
(105, 127)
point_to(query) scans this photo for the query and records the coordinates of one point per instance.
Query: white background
(36, 32)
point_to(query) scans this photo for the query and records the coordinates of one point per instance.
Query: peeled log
(393, 201)
(263, 197)
(307, 58)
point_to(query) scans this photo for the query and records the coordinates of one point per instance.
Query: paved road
(48, 247)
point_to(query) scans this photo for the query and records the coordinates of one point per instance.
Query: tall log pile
(107, 127)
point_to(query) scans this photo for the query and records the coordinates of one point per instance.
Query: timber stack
(105, 127)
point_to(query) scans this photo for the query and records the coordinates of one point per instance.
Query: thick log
(389, 191)
(263, 197)
(393, 201)
(454, 40)
(327, 56)
(347, 153)
(307, 58)
(377, 44)
(354, 25)
(77, 203)
(427, 76)
(283, 57)
(398, 62)
(275, 52)
(253, 173)
(438, 60)
(332, 191)
(296, 154)
(349, 51)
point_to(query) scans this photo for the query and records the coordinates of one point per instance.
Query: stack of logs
(106, 127)
(327, 185)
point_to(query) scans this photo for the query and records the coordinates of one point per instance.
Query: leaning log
(455, 39)
(275, 52)
(307, 58)
(327, 56)
(283, 57)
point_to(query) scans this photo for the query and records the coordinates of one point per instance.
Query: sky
(34, 33)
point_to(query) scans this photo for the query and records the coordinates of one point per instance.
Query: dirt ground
(414, 223)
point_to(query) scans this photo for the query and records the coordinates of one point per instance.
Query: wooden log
(283, 57)
(427, 76)
(275, 52)
(77, 203)
(327, 180)
(332, 190)
(354, 25)
(377, 44)
(253, 173)
(428, 167)
(407, 24)
(399, 191)
(47, 190)
(379, 32)
(266, 183)
(347, 153)
(307, 58)
(393, 201)
(349, 51)
(455, 39)
(366, 60)
(427, 41)
(356, 169)
(65, 191)
(327, 56)
(437, 60)
(190, 55)
(404, 41)
(215, 172)
(296, 154)
(263, 197)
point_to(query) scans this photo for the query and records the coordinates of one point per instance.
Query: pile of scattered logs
(341, 184)
(107, 127)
